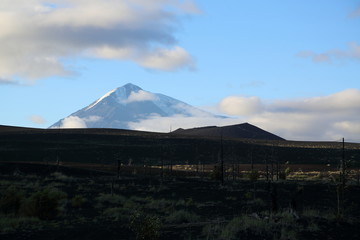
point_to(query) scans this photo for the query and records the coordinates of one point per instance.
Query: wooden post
(118, 168)
(238, 167)
(171, 166)
(251, 160)
(162, 163)
(266, 167)
(222, 158)
(343, 164)
(233, 168)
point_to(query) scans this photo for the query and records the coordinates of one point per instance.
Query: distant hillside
(244, 130)
(6, 129)
(107, 146)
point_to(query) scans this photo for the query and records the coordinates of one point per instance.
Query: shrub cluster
(43, 204)
(145, 227)
(253, 175)
(11, 200)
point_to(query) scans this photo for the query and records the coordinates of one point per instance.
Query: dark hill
(108, 146)
(244, 130)
(6, 129)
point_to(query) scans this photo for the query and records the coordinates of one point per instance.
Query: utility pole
(162, 163)
(222, 157)
(343, 163)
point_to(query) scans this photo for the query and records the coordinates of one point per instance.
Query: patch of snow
(100, 99)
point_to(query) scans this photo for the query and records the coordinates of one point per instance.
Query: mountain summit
(127, 104)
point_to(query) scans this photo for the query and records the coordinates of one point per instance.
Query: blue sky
(290, 67)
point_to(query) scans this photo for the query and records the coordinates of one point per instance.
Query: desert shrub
(313, 226)
(78, 201)
(335, 177)
(109, 200)
(248, 195)
(253, 175)
(156, 189)
(212, 231)
(12, 224)
(11, 200)
(287, 171)
(286, 218)
(216, 173)
(138, 199)
(288, 234)
(182, 216)
(310, 212)
(188, 202)
(117, 214)
(44, 204)
(232, 229)
(145, 226)
(258, 203)
(282, 175)
(246, 224)
(62, 177)
(130, 204)
(159, 204)
(322, 175)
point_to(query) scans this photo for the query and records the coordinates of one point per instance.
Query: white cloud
(38, 35)
(37, 119)
(108, 52)
(92, 119)
(158, 59)
(348, 126)
(165, 124)
(345, 101)
(5, 81)
(237, 105)
(325, 118)
(318, 118)
(315, 57)
(140, 96)
(167, 59)
(352, 53)
(72, 122)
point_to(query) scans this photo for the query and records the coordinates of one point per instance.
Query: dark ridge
(244, 130)
(4, 129)
(95, 131)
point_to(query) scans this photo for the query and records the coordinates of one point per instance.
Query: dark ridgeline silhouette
(244, 130)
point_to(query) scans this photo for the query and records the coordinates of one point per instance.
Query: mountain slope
(244, 130)
(126, 104)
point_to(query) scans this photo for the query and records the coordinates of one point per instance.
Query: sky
(290, 67)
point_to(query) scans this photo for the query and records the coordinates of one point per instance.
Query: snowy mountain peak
(131, 87)
(126, 90)
(121, 94)
(127, 106)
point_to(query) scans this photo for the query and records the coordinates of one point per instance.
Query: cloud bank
(157, 123)
(325, 118)
(140, 96)
(318, 118)
(237, 105)
(37, 35)
(72, 122)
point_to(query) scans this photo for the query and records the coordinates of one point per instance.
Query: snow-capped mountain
(128, 104)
